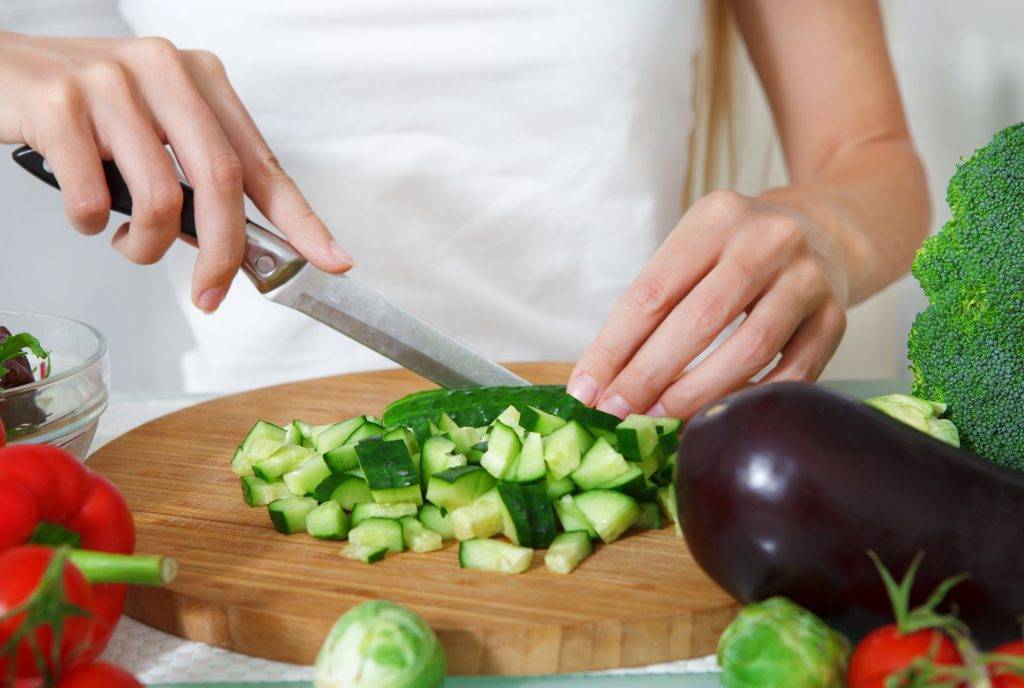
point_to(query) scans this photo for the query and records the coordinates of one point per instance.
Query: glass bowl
(63, 409)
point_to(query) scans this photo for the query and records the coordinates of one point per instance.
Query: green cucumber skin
(543, 525)
(514, 500)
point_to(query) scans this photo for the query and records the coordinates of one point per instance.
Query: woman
(506, 170)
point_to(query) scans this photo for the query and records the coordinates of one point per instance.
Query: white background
(957, 62)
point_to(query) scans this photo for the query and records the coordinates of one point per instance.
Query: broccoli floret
(967, 347)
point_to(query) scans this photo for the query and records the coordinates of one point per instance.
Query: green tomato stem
(135, 569)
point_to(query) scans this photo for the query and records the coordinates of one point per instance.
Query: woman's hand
(730, 254)
(80, 101)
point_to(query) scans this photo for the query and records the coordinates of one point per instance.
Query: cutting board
(247, 588)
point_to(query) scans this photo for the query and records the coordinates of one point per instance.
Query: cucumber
(465, 439)
(631, 482)
(307, 476)
(441, 523)
(351, 492)
(258, 492)
(333, 436)
(611, 513)
(287, 458)
(326, 487)
(288, 515)
(503, 446)
(564, 448)
(667, 502)
(571, 517)
(263, 430)
(567, 551)
(599, 465)
(543, 524)
(537, 420)
(637, 436)
(344, 458)
(457, 487)
(560, 487)
(651, 463)
(368, 510)
(446, 424)
(650, 517)
(494, 555)
(510, 417)
(529, 465)
(481, 518)
(668, 434)
(514, 517)
(664, 474)
(438, 455)
(240, 464)
(327, 522)
(417, 537)
(608, 435)
(405, 435)
(292, 434)
(390, 471)
(378, 532)
(365, 554)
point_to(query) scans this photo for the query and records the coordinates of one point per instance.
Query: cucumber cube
(417, 537)
(567, 551)
(327, 522)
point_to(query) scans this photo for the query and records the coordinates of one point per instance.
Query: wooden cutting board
(245, 587)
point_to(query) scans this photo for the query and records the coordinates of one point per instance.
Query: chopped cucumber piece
(637, 437)
(668, 434)
(351, 492)
(543, 524)
(664, 475)
(378, 532)
(510, 418)
(389, 469)
(446, 424)
(441, 523)
(667, 502)
(651, 463)
(534, 419)
(592, 418)
(240, 464)
(601, 433)
(262, 441)
(558, 487)
(288, 515)
(304, 428)
(417, 537)
(258, 492)
(611, 513)
(400, 433)
(564, 447)
(344, 457)
(571, 517)
(438, 455)
(600, 464)
(650, 517)
(364, 553)
(305, 479)
(337, 434)
(263, 430)
(327, 522)
(631, 482)
(368, 510)
(481, 518)
(292, 435)
(515, 521)
(287, 458)
(503, 446)
(529, 465)
(567, 551)
(326, 487)
(465, 439)
(494, 555)
(457, 487)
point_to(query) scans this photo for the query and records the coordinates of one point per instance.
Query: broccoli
(967, 347)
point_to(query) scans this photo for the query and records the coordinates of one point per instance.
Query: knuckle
(161, 201)
(225, 172)
(109, 75)
(155, 49)
(725, 202)
(649, 295)
(61, 94)
(220, 264)
(782, 232)
(641, 377)
(761, 344)
(269, 166)
(89, 209)
(206, 61)
(704, 315)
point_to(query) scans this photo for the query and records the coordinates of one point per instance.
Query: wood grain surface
(245, 587)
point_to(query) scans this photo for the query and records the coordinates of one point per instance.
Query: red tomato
(98, 675)
(885, 651)
(1003, 677)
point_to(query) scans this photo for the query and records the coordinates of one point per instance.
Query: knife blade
(342, 303)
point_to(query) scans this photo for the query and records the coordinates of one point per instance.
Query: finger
(127, 130)
(762, 335)
(266, 183)
(812, 346)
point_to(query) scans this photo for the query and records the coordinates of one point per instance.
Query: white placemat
(157, 657)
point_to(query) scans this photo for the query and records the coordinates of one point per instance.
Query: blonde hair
(734, 144)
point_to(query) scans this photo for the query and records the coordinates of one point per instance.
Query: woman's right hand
(79, 101)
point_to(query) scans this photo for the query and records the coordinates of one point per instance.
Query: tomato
(98, 675)
(1003, 677)
(885, 651)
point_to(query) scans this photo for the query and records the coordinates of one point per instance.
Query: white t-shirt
(501, 169)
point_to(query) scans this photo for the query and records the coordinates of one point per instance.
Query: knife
(282, 275)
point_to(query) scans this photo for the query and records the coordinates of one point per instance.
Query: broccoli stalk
(967, 347)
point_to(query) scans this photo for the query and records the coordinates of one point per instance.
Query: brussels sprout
(380, 645)
(778, 644)
(918, 413)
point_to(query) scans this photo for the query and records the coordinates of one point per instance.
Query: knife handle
(269, 261)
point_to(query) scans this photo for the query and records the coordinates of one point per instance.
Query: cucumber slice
(564, 448)
(438, 455)
(571, 517)
(537, 420)
(389, 469)
(378, 532)
(287, 458)
(631, 482)
(637, 436)
(240, 464)
(503, 446)
(592, 418)
(344, 458)
(567, 551)
(457, 487)
(262, 440)
(649, 518)
(529, 465)
(391, 434)
(258, 492)
(441, 523)
(465, 439)
(515, 520)
(611, 513)
(494, 555)
(667, 502)
(599, 465)
(363, 553)
(327, 522)
(326, 487)
(543, 525)
(292, 434)
(481, 518)
(368, 510)
(307, 476)
(417, 537)
(558, 488)
(333, 436)
(263, 430)
(351, 492)
(288, 515)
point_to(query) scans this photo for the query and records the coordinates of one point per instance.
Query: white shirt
(502, 169)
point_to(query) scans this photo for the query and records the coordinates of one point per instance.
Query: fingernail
(341, 254)
(583, 387)
(657, 411)
(210, 299)
(615, 405)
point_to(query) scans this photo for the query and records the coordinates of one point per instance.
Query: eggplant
(783, 488)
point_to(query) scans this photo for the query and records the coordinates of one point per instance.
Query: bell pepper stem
(135, 569)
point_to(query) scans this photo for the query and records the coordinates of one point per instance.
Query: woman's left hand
(730, 254)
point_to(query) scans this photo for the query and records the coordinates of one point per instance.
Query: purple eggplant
(783, 488)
